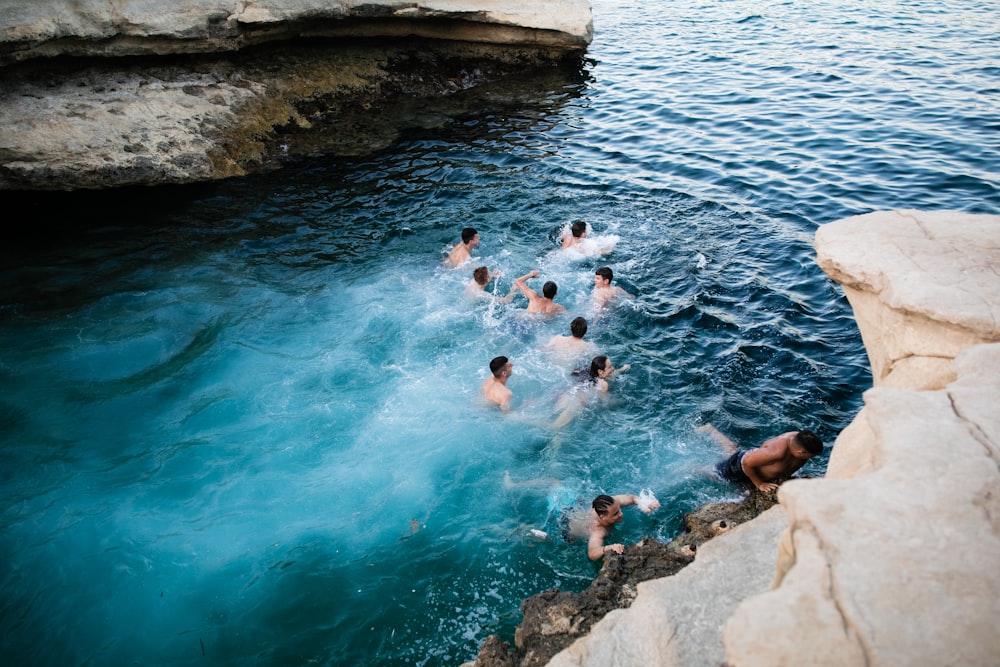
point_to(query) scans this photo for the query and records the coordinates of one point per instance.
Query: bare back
(775, 460)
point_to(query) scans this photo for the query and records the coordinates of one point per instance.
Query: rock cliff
(96, 94)
(893, 557)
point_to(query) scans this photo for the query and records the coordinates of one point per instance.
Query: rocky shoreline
(554, 619)
(893, 557)
(94, 95)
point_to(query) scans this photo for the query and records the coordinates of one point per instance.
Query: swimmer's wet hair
(497, 364)
(468, 234)
(578, 228)
(549, 290)
(578, 327)
(602, 503)
(809, 441)
(481, 275)
(597, 364)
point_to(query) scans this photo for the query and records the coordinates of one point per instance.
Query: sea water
(241, 423)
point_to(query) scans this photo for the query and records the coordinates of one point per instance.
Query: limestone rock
(898, 564)
(149, 93)
(554, 619)
(677, 621)
(923, 286)
(44, 28)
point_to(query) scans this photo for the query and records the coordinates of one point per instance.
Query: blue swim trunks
(732, 469)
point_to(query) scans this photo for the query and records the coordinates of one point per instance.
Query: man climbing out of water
(543, 304)
(605, 512)
(462, 252)
(481, 277)
(495, 388)
(769, 465)
(604, 291)
(573, 343)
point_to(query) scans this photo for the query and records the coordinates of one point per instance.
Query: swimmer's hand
(647, 508)
(624, 368)
(615, 548)
(767, 487)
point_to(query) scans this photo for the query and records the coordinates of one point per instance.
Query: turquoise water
(241, 423)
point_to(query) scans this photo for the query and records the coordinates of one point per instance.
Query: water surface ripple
(240, 421)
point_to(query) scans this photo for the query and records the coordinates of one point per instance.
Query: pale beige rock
(111, 121)
(678, 620)
(923, 285)
(33, 28)
(900, 564)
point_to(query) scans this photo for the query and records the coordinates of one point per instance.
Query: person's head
(807, 444)
(600, 367)
(470, 237)
(481, 276)
(608, 510)
(603, 276)
(578, 327)
(501, 367)
(578, 229)
(549, 290)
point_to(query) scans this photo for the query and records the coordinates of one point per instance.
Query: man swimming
(766, 467)
(604, 291)
(595, 378)
(574, 343)
(481, 277)
(495, 388)
(577, 232)
(541, 304)
(462, 252)
(605, 512)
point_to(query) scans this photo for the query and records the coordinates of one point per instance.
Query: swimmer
(574, 343)
(481, 277)
(604, 291)
(575, 237)
(596, 379)
(577, 232)
(605, 512)
(766, 467)
(543, 304)
(600, 369)
(495, 388)
(462, 252)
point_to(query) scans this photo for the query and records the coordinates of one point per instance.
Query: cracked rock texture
(923, 285)
(893, 557)
(97, 94)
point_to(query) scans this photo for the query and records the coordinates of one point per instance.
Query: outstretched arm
(626, 499)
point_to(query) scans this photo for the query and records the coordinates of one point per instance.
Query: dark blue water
(241, 424)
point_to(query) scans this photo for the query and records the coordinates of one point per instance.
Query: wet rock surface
(554, 619)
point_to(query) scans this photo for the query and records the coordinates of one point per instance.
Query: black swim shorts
(732, 469)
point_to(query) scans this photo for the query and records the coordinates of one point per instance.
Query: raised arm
(525, 290)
